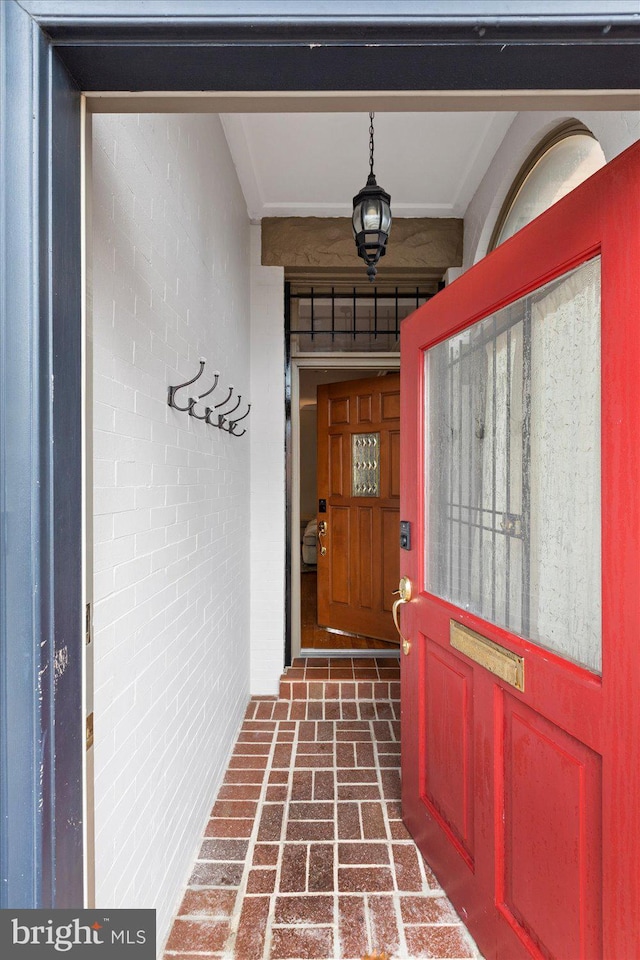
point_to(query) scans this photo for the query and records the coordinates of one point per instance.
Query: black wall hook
(179, 386)
(223, 417)
(193, 401)
(232, 424)
(192, 410)
(226, 399)
(223, 421)
(216, 377)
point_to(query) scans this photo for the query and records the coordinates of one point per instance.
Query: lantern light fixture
(371, 218)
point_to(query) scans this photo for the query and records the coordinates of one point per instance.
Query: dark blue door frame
(50, 50)
(40, 467)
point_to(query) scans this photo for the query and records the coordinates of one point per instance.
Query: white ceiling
(312, 164)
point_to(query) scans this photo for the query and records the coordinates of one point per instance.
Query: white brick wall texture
(170, 249)
(267, 473)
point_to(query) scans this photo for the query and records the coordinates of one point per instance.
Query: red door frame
(600, 217)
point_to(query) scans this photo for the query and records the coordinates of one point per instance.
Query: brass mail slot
(494, 658)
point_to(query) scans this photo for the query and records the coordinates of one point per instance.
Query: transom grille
(340, 319)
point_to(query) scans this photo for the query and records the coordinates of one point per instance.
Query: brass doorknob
(404, 596)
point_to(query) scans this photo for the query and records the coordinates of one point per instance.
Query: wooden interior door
(359, 499)
(520, 476)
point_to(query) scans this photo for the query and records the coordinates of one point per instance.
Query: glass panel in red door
(520, 471)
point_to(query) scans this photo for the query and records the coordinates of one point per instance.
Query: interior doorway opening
(318, 638)
(334, 334)
(307, 637)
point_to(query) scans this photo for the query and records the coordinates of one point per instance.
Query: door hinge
(87, 624)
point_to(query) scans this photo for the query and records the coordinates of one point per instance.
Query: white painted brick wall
(267, 473)
(171, 501)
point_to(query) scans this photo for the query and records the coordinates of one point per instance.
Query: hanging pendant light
(371, 217)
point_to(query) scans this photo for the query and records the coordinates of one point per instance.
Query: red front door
(521, 480)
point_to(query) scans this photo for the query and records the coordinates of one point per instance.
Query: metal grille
(480, 400)
(513, 467)
(337, 320)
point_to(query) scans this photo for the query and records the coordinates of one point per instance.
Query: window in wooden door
(513, 467)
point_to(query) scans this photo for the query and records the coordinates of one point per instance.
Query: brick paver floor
(305, 854)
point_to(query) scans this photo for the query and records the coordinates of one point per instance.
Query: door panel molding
(448, 722)
(338, 544)
(550, 839)
(366, 551)
(337, 466)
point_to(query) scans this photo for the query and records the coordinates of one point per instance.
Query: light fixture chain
(371, 115)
